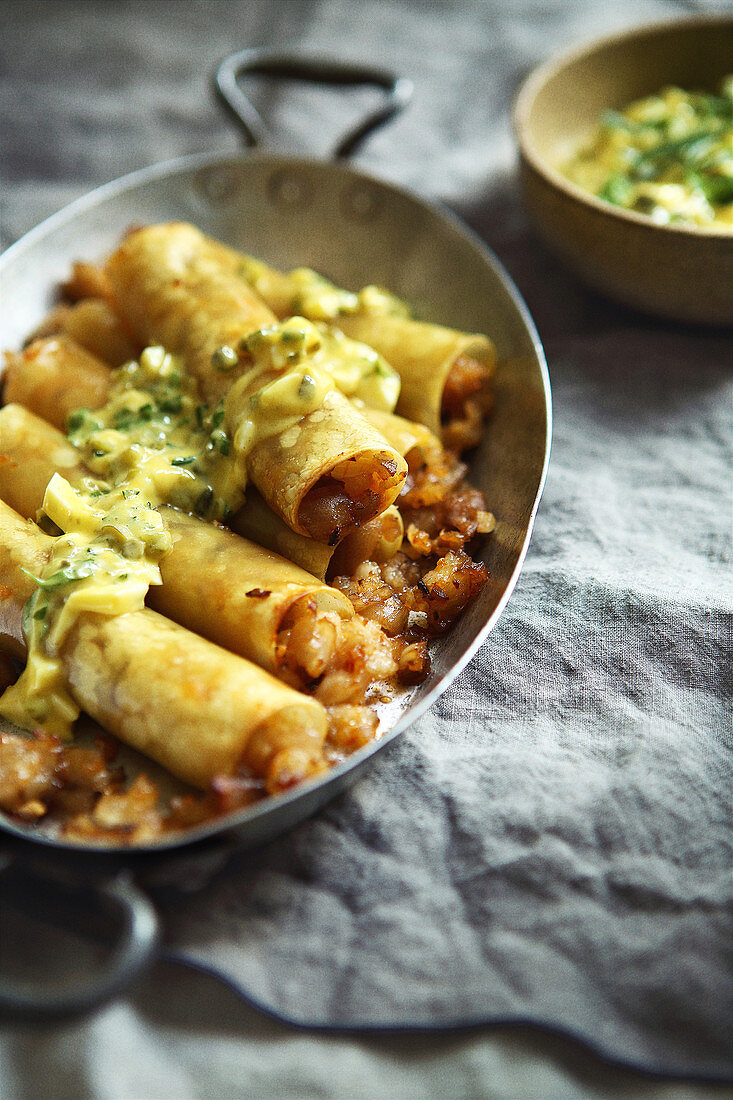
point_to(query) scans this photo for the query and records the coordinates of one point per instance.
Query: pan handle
(133, 950)
(397, 90)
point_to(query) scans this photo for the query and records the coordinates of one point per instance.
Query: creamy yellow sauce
(154, 436)
(353, 367)
(304, 291)
(309, 360)
(154, 443)
(103, 562)
(667, 156)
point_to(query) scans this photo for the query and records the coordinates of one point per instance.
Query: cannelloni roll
(195, 708)
(224, 587)
(328, 472)
(444, 372)
(318, 464)
(53, 376)
(170, 289)
(414, 441)
(93, 324)
(377, 540)
(31, 452)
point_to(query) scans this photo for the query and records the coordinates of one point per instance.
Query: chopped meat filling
(466, 401)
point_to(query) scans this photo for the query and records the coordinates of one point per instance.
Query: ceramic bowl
(672, 271)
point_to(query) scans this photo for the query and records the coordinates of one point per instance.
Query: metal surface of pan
(356, 229)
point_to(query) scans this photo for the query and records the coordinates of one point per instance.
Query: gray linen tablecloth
(549, 847)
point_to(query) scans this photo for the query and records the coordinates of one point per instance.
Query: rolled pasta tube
(195, 708)
(95, 326)
(53, 376)
(257, 521)
(198, 710)
(235, 592)
(170, 288)
(444, 372)
(377, 540)
(414, 441)
(222, 586)
(440, 368)
(31, 452)
(326, 473)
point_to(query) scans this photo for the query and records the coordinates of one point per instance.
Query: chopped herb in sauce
(668, 156)
(224, 359)
(152, 425)
(153, 443)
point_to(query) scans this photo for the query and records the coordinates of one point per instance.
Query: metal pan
(327, 215)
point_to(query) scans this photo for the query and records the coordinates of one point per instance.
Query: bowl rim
(542, 73)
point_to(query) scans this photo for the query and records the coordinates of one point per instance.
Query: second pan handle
(397, 90)
(132, 951)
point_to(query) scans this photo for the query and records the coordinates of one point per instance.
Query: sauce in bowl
(668, 156)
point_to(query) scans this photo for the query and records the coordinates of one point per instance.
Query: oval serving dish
(356, 229)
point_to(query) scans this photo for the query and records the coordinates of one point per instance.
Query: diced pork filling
(349, 728)
(466, 401)
(327, 511)
(337, 660)
(434, 595)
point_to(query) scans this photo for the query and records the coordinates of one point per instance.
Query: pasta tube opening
(350, 495)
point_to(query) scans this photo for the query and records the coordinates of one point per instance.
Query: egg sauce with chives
(353, 367)
(303, 290)
(155, 443)
(668, 156)
(308, 361)
(152, 443)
